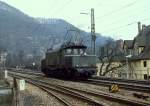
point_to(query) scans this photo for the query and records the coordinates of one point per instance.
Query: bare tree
(107, 58)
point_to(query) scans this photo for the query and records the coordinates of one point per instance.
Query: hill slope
(20, 33)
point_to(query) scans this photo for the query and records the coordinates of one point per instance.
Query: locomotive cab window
(78, 51)
(68, 51)
(81, 51)
(75, 51)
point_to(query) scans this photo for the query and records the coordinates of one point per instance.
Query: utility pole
(93, 37)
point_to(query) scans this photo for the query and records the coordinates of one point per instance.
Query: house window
(145, 64)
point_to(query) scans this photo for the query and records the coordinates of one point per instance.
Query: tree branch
(112, 69)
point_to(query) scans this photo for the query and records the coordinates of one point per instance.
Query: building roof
(143, 38)
(140, 41)
(145, 55)
(145, 31)
(128, 43)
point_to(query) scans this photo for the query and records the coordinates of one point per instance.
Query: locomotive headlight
(77, 65)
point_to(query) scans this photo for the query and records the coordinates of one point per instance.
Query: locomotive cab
(76, 57)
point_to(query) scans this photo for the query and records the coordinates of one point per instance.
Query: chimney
(139, 27)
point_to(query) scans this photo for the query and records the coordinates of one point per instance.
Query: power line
(125, 6)
(126, 25)
(113, 23)
(52, 7)
(120, 27)
(120, 9)
(109, 24)
(63, 7)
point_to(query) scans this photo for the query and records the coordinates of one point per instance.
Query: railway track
(53, 94)
(121, 80)
(130, 84)
(85, 95)
(56, 90)
(122, 84)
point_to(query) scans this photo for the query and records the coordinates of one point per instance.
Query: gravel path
(33, 96)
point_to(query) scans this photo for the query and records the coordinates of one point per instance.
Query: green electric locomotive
(69, 61)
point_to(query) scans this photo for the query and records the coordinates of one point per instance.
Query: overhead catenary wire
(60, 9)
(117, 10)
(126, 25)
(114, 11)
(124, 7)
(53, 7)
(130, 16)
(69, 1)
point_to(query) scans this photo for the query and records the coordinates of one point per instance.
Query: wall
(137, 69)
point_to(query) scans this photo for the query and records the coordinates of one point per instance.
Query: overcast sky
(115, 18)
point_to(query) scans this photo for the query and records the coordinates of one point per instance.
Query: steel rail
(135, 85)
(51, 93)
(138, 81)
(107, 96)
(123, 85)
(141, 82)
(61, 90)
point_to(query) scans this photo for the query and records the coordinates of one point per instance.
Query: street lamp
(127, 71)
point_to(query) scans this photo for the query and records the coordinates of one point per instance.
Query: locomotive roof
(68, 45)
(73, 45)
